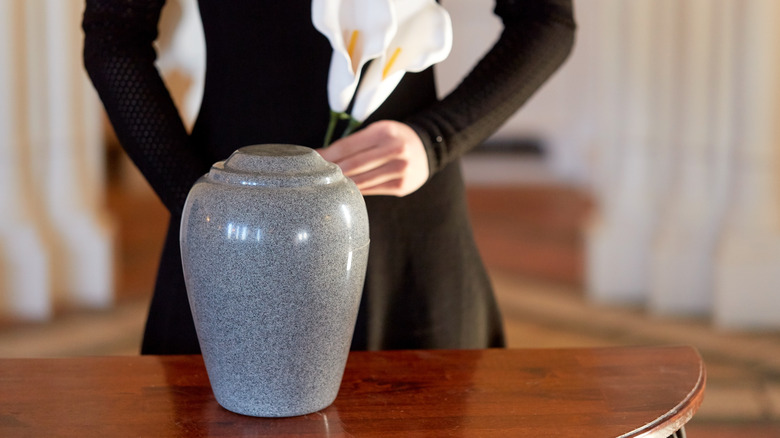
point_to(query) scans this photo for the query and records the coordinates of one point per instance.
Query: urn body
(274, 244)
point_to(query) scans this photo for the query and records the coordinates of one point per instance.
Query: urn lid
(275, 165)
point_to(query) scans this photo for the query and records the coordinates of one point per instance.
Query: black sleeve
(119, 57)
(538, 36)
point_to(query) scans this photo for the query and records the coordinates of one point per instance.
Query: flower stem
(334, 118)
(353, 124)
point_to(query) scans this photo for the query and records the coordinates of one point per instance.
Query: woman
(266, 79)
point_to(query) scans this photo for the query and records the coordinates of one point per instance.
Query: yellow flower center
(351, 46)
(390, 62)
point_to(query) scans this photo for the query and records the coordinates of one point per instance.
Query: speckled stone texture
(274, 246)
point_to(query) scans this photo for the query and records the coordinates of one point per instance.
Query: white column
(83, 253)
(747, 281)
(664, 109)
(24, 268)
(618, 240)
(684, 250)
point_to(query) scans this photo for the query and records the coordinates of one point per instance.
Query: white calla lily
(358, 31)
(423, 38)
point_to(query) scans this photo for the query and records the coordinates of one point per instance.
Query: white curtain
(56, 241)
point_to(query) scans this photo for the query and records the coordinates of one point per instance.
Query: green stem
(353, 124)
(334, 118)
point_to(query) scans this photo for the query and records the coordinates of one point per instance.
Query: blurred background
(635, 200)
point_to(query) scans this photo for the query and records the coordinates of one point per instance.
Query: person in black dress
(266, 82)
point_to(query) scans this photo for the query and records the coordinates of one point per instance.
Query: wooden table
(610, 392)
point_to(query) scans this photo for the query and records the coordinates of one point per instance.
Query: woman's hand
(384, 158)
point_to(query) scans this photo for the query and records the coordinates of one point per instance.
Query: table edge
(672, 421)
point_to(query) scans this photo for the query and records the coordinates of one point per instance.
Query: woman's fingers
(385, 158)
(349, 146)
(392, 170)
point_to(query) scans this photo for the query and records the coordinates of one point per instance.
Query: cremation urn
(274, 244)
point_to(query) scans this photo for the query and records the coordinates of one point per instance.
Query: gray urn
(274, 244)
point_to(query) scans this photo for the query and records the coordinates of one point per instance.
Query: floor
(531, 238)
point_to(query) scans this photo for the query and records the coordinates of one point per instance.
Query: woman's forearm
(119, 58)
(538, 36)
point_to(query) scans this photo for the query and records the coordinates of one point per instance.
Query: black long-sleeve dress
(266, 82)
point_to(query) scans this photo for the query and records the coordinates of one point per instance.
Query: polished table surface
(602, 392)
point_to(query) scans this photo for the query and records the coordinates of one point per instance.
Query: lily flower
(358, 31)
(423, 38)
